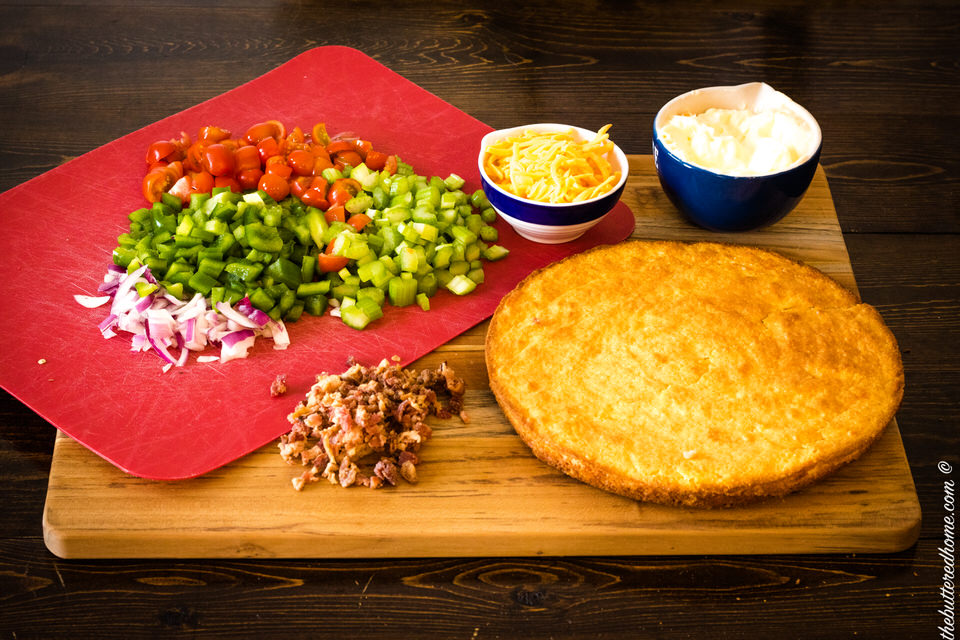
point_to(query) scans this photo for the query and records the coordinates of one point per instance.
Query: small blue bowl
(545, 222)
(722, 202)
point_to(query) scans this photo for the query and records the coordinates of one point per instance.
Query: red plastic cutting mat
(195, 418)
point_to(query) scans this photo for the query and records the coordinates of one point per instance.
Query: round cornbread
(697, 374)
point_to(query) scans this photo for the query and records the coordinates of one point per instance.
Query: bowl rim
(498, 134)
(744, 88)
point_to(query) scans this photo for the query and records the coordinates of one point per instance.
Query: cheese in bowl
(552, 182)
(552, 166)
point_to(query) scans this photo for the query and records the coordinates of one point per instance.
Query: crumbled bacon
(279, 386)
(368, 411)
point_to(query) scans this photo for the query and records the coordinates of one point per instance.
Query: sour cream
(740, 142)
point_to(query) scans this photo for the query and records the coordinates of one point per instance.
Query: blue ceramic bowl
(723, 202)
(545, 222)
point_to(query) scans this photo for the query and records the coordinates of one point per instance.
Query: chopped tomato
(175, 168)
(315, 198)
(268, 147)
(343, 190)
(301, 161)
(347, 158)
(279, 168)
(155, 184)
(229, 182)
(183, 143)
(211, 134)
(162, 151)
(327, 262)
(359, 220)
(218, 160)
(157, 165)
(319, 134)
(249, 179)
(335, 213)
(272, 160)
(182, 189)
(202, 181)
(269, 129)
(193, 160)
(320, 163)
(232, 145)
(294, 141)
(331, 263)
(160, 179)
(263, 158)
(246, 157)
(338, 146)
(299, 186)
(364, 147)
(391, 165)
(275, 186)
(375, 160)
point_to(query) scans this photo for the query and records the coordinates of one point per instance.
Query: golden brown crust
(696, 374)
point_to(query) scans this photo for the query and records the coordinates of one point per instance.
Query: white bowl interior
(755, 96)
(619, 157)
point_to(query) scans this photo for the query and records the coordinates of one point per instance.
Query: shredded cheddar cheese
(555, 167)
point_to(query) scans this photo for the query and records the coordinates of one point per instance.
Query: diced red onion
(189, 327)
(256, 315)
(121, 296)
(234, 337)
(232, 314)
(92, 302)
(278, 331)
(108, 322)
(182, 360)
(259, 317)
(236, 344)
(159, 347)
(160, 321)
(144, 304)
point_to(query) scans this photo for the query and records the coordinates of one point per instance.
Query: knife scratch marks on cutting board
(216, 367)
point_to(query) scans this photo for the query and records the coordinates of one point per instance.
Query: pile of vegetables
(247, 233)
(265, 158)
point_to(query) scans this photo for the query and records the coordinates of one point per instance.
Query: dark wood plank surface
(881, 78)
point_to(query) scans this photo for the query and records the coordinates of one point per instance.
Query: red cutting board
(195, 418)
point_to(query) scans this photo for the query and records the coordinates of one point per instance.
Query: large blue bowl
(723, 202)
(545, 222)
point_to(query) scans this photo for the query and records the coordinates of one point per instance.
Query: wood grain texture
(878, 85)
(742, 597)
(480, 486)
(882, 79)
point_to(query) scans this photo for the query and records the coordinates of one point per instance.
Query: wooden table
(881, 80)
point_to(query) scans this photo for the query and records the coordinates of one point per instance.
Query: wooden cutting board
(481, 492)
